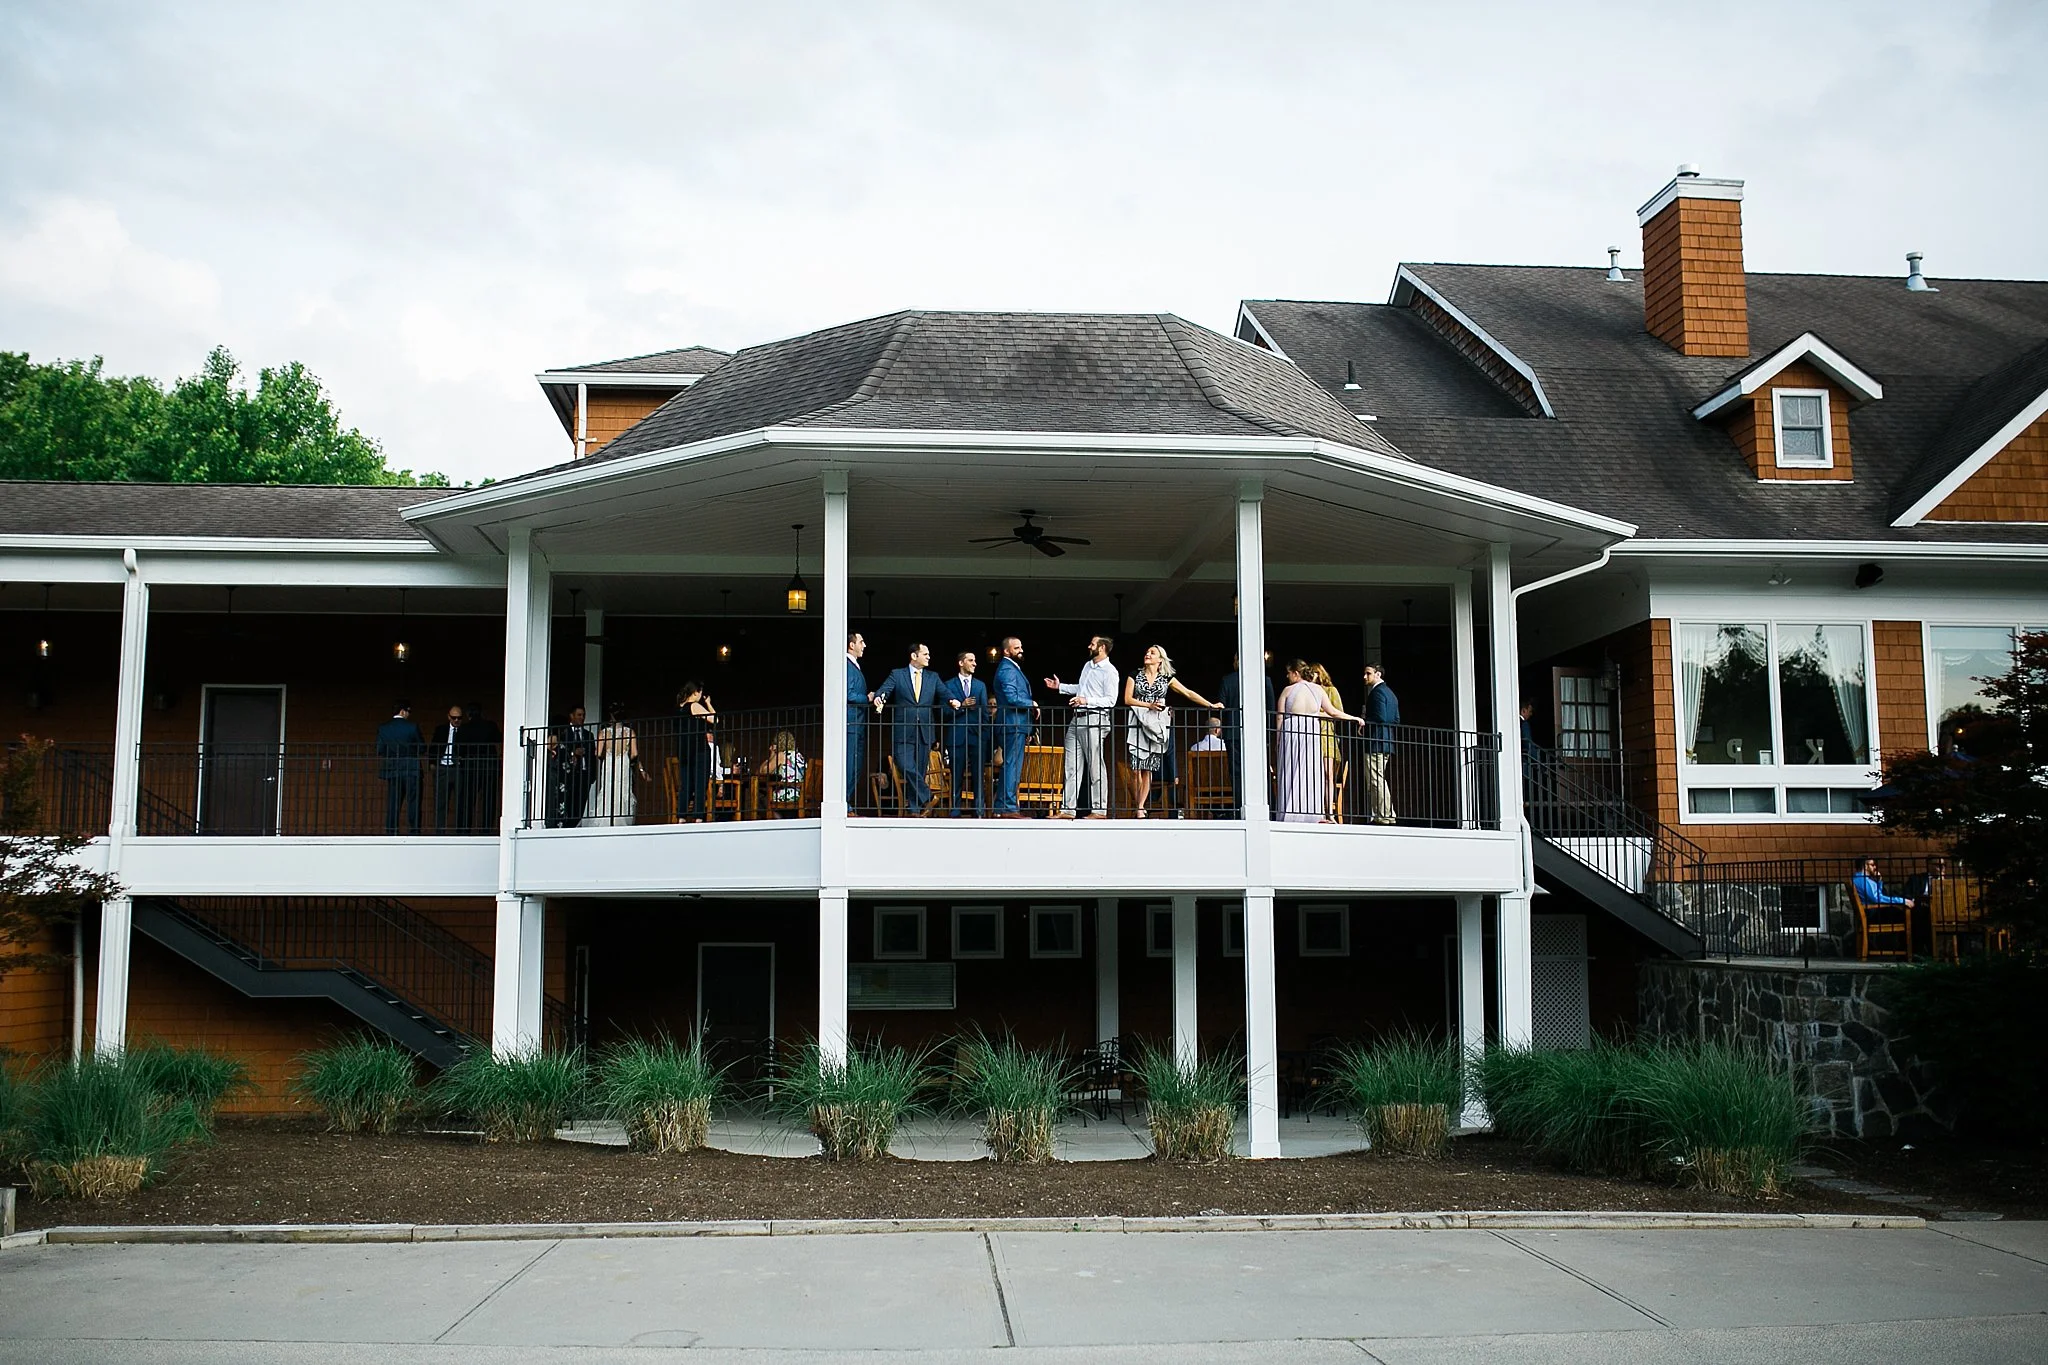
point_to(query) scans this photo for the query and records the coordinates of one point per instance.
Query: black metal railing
(72, 787)
(1584, 804)
(729, 765)
(1339, 773)
(1804, 908)
(316, 789)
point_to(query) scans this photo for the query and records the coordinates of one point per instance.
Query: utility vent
(900, 986)
(1916, 281)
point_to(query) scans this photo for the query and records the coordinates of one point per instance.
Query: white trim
(1827, 434)
(1039, 912)
(1404, 278)
(623, 379)
(1806, 346)
(1687, 187)
(1341, 909)
(1245, 314)
(995, 912)
(899, 955)
(219, 544)
(1974, 461)
(1833, 549)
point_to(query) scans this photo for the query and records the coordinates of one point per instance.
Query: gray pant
(1087, 747)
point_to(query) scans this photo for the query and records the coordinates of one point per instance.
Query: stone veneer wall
(1820, 1021)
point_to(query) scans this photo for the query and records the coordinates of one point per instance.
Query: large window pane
(1962, 655)
(1725, 694)
(1821, 695)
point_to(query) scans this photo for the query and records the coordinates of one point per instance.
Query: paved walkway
(1960, 1293)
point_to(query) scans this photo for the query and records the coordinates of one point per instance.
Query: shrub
(522, 1097)
(1402, 1091)
(853, 1108)
(95, 1127)
(363, 1083)
(196, 1075)
(1979, 1027)
(662, 1091)
(1191, 1111)
(14, 1100)
(1019, 1093)
(1727, 1118)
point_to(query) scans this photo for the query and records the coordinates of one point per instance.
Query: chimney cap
(1688, 169)
(1688, 184)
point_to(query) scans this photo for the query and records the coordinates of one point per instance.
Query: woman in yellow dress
(1320, 676)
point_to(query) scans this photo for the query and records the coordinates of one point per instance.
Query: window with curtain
(1823, 705)
(1725, 694)
(1961, 659)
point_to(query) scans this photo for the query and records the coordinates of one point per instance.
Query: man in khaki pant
(1382, 712)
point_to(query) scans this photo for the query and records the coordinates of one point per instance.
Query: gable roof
(1623, 439)
(1805, 348)
(1141, 373)
(1994, 410)
(682, 360)
(212, 510)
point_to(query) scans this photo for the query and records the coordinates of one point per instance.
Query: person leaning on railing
(1149, 737)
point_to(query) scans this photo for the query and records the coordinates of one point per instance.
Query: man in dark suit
(398, 762)
(912, 694)
(449, 755)
(481, 738)
(1381, 714)
(857, 699)
(1014, 709)
(965, 698)
(572, 767)
(1232, 697)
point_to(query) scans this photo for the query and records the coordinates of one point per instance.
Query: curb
(202, 1234)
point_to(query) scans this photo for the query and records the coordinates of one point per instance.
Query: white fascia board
(1975, 461)
(618, 379)
(211, 545)
(1688, 187)
(1829, 549)
(1806, 346)
(852, 441)
(1407, 283)
(1245, 314)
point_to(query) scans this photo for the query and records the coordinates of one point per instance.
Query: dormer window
(1801, 419)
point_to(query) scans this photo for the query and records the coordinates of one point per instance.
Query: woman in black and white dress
(1148, 737)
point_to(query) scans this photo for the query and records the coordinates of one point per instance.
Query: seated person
(784, 770)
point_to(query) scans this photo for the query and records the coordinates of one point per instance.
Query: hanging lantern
(798, 593)
(401, 652)
(43, 644)
(724, 611)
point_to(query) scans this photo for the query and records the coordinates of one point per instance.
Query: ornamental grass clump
(1192, 1110)
(363, 1084)
(1019, 1092)
(1402, 1092)
(195, 1075)
(1727, 1119)
(14, 1098)
(852, 1108)
(661, 1090)
(95, 1128)
(520, 1097)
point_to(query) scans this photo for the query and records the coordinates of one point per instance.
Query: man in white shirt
(1092, 697)
(1212, 741)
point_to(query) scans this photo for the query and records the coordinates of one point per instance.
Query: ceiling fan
(1031, 535)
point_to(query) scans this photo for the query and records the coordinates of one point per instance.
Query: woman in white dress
(1303, 722)
(612, 801)
(1148, 736)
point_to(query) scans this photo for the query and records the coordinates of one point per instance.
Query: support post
(1472, 1002)
(1186, 1030)
(834, 593)
(832, 1026)
(516, 981)
(1511, 938)
(1465, 696)
(1108, 1002)
(516, 972)
(1261, 1027)
(1516, 1006)
(593, 665)
(110, 1012)
(126, 778)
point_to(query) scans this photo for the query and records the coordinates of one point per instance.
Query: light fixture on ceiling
(1779, 578)
(995, 648)
(799, 595)
(43, 643)
(724, 613)
(1119, 613)
(1869, 575)
(400, 650)
(871, 606)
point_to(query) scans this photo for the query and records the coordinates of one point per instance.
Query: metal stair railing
(1580, 803)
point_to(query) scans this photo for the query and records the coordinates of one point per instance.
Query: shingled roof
(238, 510)
(683, 360)
(1623, 440)
(1144, 373)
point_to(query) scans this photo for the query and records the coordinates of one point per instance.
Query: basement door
(736, 1007)
(241, 740)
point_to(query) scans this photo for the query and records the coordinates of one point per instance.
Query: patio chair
(1205, 785)
(1883, 932)
(1044, 776)
(1097, 1082)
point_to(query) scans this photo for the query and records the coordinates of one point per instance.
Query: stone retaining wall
(1818, 1020)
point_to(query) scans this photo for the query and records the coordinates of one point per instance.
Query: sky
(427, 204)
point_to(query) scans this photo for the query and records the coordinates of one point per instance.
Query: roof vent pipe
(1916, 281)
(1688, 170)
(1350, 376)
(1614, 264)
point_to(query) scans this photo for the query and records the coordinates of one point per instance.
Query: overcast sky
(429, 203)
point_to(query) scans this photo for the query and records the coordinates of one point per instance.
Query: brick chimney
(1694, 299)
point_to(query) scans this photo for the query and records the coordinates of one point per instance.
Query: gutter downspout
(1515, 671)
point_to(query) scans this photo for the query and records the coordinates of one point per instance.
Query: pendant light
(43, 644)
(401, 652)
(996, 648)
(798, 594)
(724, 613)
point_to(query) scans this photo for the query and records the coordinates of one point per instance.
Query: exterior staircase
(380, 960)
(1591, 840)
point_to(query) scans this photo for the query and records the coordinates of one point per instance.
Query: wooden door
(736, 1007)
(242, 739)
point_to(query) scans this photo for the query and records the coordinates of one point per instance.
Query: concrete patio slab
(2020, 1239)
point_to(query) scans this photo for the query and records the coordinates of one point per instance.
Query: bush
(96, 1127)
(1978, 1026)
(1019, 1093)
(199, 1077)
(660, 1090)
(524, 1097)
(1191, 1111)
(362, 1084)
(853, 1109)
(1725, 1117)
(14, 1100)
(1402, 1092)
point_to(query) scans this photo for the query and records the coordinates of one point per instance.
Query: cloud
(75, 255)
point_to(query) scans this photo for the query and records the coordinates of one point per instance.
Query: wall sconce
(798, 594)
(1869, 575)
(1779, 578)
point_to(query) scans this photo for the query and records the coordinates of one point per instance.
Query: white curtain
(1841, 649)
(1695, 646)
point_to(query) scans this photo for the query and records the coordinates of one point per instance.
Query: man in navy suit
(965, 699)
(1233, 727)
(1014, 712)
(857, 699)
(399, 747)
(912, 694)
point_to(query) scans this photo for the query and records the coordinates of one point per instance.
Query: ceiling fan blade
(993, 544)
(1046, 547)
(1067, 540)
(991, 540)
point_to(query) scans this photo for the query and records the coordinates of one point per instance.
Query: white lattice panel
(1562, 1013)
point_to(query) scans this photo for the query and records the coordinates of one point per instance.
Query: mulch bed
(2008, 1178)
(291, 1171)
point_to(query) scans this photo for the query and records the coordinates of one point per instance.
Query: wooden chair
(1883, 932)
(1955, 917)
(887, 787)
(811, 792)
(671, 787)
(1205, 784)
(724, 797)
(1044, 776)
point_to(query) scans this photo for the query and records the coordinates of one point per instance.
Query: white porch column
(593, 666)
(832, 1025)
(1511, 934)
(1186, 1031)
(1472, 1000)
(516, 982)
(1465, 692)
(1108, 1003)
(1251, 659)
(110, 1012)
(1516, 1006)
(1261, 1030)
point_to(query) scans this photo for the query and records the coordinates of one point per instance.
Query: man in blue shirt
(1870, 890)
(1381, 712)
(857, 699)
(1014, 711)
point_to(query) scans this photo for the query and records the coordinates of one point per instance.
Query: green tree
(42, 884)
(69, 420)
